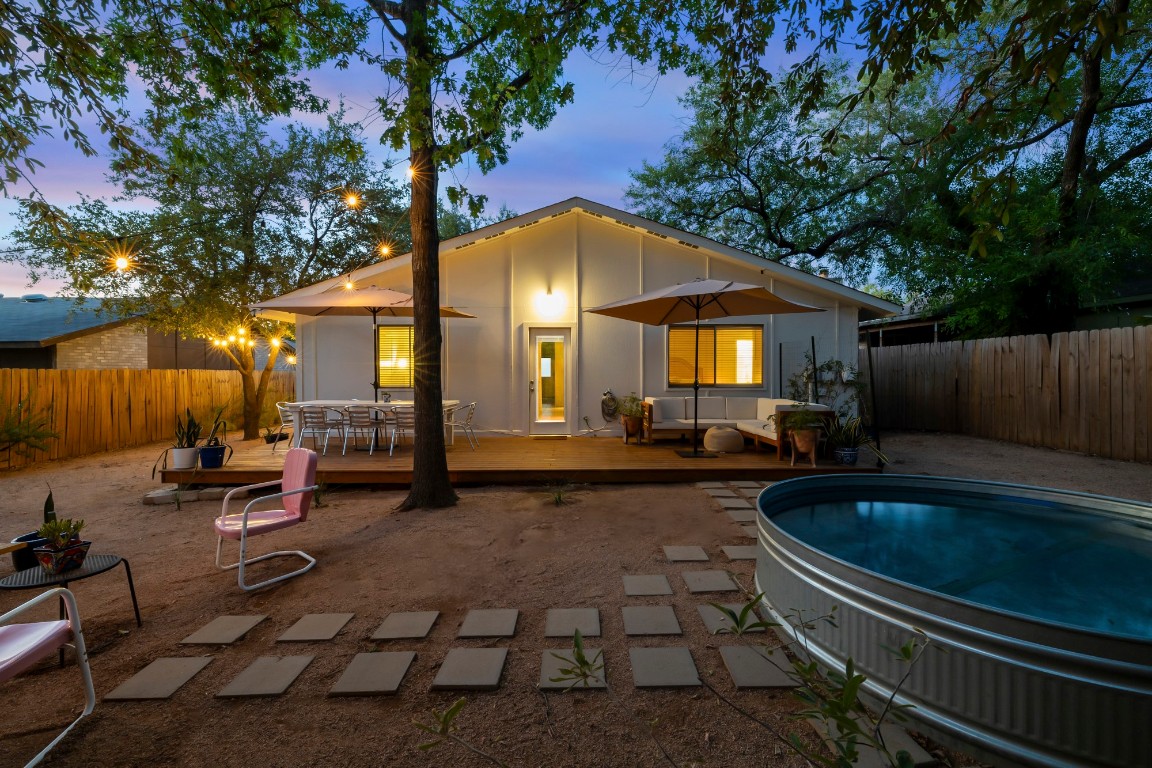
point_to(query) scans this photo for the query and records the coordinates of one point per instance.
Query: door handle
(531, 385)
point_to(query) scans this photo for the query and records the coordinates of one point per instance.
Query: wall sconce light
(551, 304)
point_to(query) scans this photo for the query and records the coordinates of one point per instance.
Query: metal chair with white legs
(24, 645)
(285, 422)
(361, 420)
(403, 421)
(296, 488)
(464, 425)
(316, 420)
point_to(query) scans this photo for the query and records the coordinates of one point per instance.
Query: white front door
(550, 385)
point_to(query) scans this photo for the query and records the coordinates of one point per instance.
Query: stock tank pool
(1037, 603)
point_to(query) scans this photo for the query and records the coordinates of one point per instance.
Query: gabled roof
(47, 321)
(870, 306)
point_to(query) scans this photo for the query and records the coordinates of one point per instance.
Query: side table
(94, 565)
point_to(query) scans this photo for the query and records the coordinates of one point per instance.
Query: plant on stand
(848, 436)
(632, 416)
(802, 428)
(63, 549)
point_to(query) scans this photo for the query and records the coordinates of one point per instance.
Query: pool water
(1034, 559)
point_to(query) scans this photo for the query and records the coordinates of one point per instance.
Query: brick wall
(122, 347)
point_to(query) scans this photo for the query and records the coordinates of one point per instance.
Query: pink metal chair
(297, 486)
(23, 645)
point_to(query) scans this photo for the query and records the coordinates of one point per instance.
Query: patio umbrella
(696, 301)
(357, 301)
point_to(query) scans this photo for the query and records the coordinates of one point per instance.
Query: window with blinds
(730, 355)
(394, 347)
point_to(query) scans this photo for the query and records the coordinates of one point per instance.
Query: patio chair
(403, 420)
(316, 420)
(297, 486)
(362, 420)
(464, 424)
(285, 422)
(23, 645)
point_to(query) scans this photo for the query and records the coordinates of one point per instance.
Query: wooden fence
(106, 410)
(1085, 391)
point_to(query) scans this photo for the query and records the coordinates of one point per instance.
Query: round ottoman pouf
(723, 440)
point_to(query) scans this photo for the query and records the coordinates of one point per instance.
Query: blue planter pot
(26, 557)
(212, 456)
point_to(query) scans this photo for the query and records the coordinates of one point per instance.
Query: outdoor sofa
(672, 416)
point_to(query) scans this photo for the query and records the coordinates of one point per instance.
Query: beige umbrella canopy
(356, 301)
(696, 301)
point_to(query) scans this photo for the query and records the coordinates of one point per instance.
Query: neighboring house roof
(29, 323)
(870, 306)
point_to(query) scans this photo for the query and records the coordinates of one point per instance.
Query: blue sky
(614, 125)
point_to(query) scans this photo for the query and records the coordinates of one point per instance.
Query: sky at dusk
(587, 151)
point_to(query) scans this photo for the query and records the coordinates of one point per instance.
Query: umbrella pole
(695, 453)
(375, 362)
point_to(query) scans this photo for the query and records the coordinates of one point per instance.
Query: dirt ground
(501, 547)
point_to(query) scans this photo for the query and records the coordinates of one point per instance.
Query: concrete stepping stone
(741, 552)
(681, 554)
(267, 676)
(750, 531)
(650, 620)
(754, 484)
(223, 630)
(747, 515)
(750, 493)
(639, 586)
(663, 668)
(471, 669)
(489, 622)
(720, 493)
(715, 619)
(159, 680)
(709, 581)
(895, 739)
(315, 627)
(709, 484)
(550, 667)
(737, 503)
(374, 674)
(751, 667)
(406, 625)
(563, 622)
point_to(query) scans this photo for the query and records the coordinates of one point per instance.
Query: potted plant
(184, 449)
(848, 435)
(212, 452)
(63, 551)
(631, 412)
(25, 557)
(802, 426)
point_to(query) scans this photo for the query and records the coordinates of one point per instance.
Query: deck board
(517, 461)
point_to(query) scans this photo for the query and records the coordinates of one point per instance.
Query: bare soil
(500, 547)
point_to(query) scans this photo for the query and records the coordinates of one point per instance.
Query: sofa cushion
(666, 408)
(766, 406)
(709, 408)
(740, 408)
(755, 427)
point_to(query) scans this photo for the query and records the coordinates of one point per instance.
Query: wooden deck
(517, 461)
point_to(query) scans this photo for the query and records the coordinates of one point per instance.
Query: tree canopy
(235, 216)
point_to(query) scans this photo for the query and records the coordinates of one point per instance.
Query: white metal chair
(316, 420)
(362, 420)
(297, 486)
(403, 420)
(464, 425)
(285, 421)
(23, 645)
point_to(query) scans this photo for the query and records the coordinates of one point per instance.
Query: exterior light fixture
(384, 250)
(122, 263)
(551, 304)
(232, 339)
(349, 285)
(275, 342)
(352, 200)
(411, 172)
(291, 359)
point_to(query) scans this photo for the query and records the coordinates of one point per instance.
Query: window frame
(411, 357)
(713, 329)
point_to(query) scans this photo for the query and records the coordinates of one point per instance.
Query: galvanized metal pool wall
(1022, 689)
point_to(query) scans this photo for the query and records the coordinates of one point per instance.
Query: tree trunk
(430, 484)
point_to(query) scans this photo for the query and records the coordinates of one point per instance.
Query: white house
(536, 362)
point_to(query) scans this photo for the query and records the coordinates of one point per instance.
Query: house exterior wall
(585, 260)
(121, 347)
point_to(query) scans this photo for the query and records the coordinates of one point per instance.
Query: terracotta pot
(804, 441)
(632, 426)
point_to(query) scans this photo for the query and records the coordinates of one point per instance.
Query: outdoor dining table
(338, 405)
